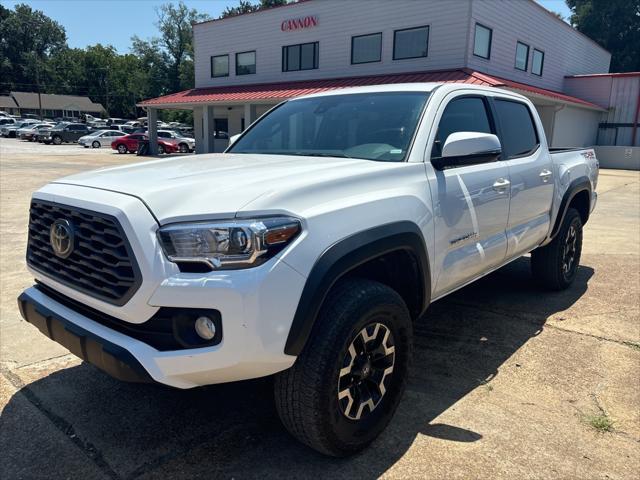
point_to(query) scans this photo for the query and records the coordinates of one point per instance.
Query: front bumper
(89, 346)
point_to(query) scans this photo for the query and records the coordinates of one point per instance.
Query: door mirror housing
(468, 148)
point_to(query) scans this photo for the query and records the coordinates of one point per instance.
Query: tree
(613, 24)
(27, 38)
(174, 23)
(245, 6)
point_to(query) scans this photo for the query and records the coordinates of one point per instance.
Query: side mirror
(468, 148)
(233, 138)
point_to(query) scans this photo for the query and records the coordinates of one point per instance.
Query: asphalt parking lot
(507, 381)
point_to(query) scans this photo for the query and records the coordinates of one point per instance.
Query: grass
(600, 422)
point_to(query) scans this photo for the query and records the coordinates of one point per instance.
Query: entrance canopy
(274, 92)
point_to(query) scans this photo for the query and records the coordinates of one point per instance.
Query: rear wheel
(346, 384)
(555, 265)
(122, 148)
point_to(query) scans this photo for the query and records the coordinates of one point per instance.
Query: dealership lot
(506, 382)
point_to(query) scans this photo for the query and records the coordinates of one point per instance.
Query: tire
(184, 148)
(57, 140)
(95, 144)
(555, 265)
(160, 149)
(307, 394)
(122, 148)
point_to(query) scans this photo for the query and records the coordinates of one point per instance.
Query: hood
(221, 185)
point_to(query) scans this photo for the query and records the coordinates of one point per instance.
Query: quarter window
(465, 114)
(519, 135)
(410, 43)
(246, 63)
(522, 56)
(300, 57)
(537, 62)
(482, 41)
(366, 48)
(220, 66)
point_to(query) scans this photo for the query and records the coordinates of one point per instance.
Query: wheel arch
(578, 196)
(353, 254)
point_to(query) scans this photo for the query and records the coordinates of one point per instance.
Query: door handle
(501, 184)
(545, 175)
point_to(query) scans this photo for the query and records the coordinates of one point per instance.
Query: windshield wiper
(323, 154)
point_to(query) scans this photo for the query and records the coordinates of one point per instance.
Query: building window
(246, 63)
(482, 41)
(410, 43)
(537, 62)
(220, 66)
(300, 57)
(522, 56)
(366, 48)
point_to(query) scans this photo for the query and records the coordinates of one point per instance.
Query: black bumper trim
(107, 356)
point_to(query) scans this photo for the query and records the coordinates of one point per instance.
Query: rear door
(471, 202)
(531, 174)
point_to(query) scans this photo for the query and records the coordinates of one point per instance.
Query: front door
(471, 202)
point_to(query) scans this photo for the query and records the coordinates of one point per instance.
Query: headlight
(228, 244)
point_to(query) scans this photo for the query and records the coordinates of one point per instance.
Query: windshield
(371, 126)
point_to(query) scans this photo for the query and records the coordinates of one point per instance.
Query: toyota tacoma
(307, 250)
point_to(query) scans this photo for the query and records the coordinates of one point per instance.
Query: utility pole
(38, 85)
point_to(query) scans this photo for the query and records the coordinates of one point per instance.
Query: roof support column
(249, 114)
(208, 133)
(152, 126)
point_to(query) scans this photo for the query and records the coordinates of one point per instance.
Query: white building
(246, 64)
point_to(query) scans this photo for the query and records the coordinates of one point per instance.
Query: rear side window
(466, 114)
(519, 135)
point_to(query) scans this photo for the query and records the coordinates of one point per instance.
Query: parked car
(10, 130)
(42, 133)
(7, 121)
(130, 143)
(66, 133)
(185, 144)
(100, 138)
(29, 133)
(307, 255)
(116, 121)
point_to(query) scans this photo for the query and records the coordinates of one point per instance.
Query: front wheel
(346, 384)
(122, 148)
(95, 144)
(184, 148)
(57, 140)
(160, 149)
(555, 265)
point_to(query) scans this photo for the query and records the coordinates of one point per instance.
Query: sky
(114, 22)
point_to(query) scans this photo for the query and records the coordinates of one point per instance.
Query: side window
(519, 135)
(465, 114)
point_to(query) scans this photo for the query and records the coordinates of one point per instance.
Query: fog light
(205, 328)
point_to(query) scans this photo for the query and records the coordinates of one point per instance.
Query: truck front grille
(101, 263)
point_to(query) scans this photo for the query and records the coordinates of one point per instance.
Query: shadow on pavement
(229, 430)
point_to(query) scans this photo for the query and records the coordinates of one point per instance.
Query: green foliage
(613, 24)
(246, 6)
(34, 53)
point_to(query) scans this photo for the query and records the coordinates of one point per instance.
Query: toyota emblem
(62, 238)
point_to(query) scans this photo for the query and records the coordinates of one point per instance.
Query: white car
(100, 138)
(308, 249)
(185, 144)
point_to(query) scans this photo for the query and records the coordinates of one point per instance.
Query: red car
(129, 143)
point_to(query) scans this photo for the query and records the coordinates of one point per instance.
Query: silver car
(185, 144)
(100, 138)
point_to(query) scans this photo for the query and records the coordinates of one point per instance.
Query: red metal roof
(283, 90)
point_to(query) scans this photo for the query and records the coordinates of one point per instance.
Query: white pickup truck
(308, 248)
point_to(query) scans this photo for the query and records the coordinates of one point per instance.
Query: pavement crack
(61, 424)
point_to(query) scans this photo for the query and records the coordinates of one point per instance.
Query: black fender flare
(345, 255)
(580, 184)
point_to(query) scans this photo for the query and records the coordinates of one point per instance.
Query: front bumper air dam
(107, 356)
